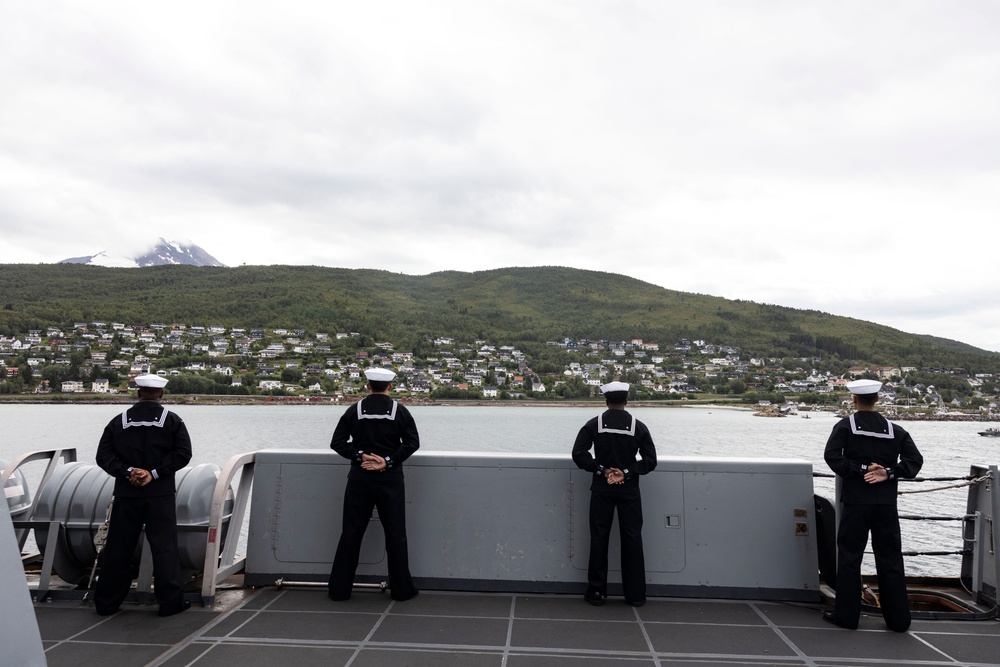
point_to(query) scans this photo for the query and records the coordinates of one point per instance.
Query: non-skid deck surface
(303, 628)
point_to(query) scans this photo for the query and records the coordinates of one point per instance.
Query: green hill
(512, 305)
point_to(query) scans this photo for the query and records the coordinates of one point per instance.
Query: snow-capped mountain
(163, 252)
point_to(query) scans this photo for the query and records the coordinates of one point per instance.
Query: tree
(13, 386)
(56, 375)
(574, 387)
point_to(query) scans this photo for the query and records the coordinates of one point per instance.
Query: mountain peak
(160, 253)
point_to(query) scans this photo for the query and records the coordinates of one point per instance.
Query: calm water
(219, 432)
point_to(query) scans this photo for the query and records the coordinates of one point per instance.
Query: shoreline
(222, 399)
(227, 400)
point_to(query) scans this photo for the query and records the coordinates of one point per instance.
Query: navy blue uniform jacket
(147, 436)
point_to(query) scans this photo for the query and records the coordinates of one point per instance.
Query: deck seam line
(893, 662)
(360, 646)
(494, 649)
(72, 637)
(645, 635)
(747, 658)
(510, 630)
(774, 628)
(931, 646)
(200, 632)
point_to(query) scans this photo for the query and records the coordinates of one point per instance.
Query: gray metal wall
(981, 563)
(713, 527)
(20, 639)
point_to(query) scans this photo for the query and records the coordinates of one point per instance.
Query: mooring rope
(968, 482)
(915, 479)
(961, 552)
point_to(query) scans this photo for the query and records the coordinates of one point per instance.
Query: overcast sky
(838, 156)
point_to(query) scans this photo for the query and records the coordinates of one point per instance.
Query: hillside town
(102, 357)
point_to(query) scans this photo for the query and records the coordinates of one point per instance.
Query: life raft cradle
(218, 530)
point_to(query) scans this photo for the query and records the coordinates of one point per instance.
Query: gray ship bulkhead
(713, 527)
(20, 638)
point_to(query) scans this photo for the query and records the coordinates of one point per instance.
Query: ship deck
(270, 626)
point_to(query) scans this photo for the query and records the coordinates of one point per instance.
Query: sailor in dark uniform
(142, 449)
(616, 436)
(869, 454)
(377, 434)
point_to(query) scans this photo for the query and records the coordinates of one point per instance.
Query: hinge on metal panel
(989, 541)
(276, 515)
(569, 523)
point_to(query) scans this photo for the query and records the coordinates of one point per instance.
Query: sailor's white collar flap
(856, 430)
(369, 415)
(601, 428)
(159, 422)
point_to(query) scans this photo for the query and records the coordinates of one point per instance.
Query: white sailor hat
(614, 386)
(151, 381)
(864, 386)
(380, 374)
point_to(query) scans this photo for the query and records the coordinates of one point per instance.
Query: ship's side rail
(221, 558)
(308, 485)
(54, 458)
(980, 570)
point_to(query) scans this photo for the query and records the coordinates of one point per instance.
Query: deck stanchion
(995, 496)
(220, 563)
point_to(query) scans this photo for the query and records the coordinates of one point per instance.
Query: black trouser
(882, 521)
(602, 513)
(360, 497)
(159, 515)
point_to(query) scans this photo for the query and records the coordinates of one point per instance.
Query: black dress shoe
(594, 597)
(638, 603)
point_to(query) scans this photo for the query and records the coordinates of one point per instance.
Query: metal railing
(979, 530)
(223, 562)
(222, 531)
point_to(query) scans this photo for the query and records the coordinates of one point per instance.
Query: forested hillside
(531, 304)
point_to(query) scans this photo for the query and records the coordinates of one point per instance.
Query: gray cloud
(750, 150)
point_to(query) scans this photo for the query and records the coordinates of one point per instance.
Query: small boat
(991, 432)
